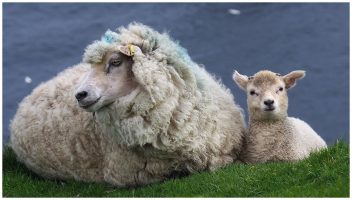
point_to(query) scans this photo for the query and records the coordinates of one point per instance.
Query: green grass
(323, 174)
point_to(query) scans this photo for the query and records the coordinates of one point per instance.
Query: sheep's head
(156, 70)
(138, 78)
(266, 93)
(110, 78)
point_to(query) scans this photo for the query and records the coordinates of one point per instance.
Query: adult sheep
(152, 111)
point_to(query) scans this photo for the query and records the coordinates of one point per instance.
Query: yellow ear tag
(131, 49)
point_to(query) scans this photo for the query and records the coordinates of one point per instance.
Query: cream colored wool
(272, 136)
(179, 118)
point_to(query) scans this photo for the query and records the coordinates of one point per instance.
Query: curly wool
(178, 119)
(289, 139)
(178, 106)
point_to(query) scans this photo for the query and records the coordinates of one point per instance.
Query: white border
(170, 1)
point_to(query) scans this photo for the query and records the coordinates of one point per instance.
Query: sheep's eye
(115, 62)
(280, 90)
(252, 92)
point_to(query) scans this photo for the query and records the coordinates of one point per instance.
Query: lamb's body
(283, 140)
(178, 119)
(272, 135)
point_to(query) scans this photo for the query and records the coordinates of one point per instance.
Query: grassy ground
(323, 174)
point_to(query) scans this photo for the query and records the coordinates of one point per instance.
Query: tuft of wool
(110, 37)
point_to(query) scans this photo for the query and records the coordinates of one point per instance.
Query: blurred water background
(42, 39)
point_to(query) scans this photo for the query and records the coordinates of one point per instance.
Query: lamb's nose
(269, 102)
(81, 95)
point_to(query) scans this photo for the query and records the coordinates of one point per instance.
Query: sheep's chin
(98, 105)
(104, 103)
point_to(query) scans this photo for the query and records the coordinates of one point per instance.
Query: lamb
(135, 111)
(272, 135)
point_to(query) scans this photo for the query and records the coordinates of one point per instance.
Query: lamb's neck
(268, 125)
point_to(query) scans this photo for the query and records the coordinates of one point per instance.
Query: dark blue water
(40, 40)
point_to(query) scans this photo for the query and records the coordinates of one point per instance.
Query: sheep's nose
(269, 102)
(81, 95)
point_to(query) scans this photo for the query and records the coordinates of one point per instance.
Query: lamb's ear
(291, 78)
(130, 50)
(240, 80)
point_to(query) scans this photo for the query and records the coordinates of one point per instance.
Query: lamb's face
(106, 82)
(266, 96)
(267, 93)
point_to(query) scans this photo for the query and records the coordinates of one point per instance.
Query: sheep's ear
(290, 78)
(130, 50)
(240, 80)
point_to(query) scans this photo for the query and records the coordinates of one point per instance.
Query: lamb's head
(266, 93)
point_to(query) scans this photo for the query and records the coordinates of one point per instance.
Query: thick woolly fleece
(179, 118)
(287, 139)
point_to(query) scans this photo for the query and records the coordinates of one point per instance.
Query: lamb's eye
(280, 90)
(252, 92)
(115, 62)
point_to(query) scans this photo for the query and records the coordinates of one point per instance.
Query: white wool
(306, 139)
(178, 119)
